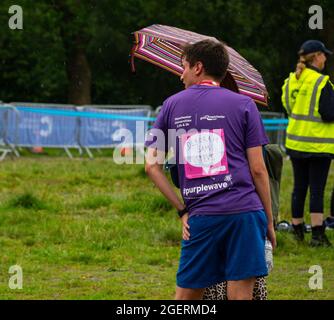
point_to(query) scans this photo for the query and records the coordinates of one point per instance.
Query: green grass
(83, 229)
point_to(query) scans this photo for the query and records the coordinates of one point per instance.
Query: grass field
(90, 229)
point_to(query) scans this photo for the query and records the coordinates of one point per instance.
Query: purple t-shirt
(210, 129)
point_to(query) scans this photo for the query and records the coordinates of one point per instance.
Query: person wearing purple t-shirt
(217, 136)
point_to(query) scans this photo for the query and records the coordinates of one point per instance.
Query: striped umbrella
(162, 46)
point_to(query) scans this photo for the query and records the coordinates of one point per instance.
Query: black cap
(311, 46)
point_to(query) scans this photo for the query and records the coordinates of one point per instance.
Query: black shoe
(319, 238)
(298, 231)
(329, 222)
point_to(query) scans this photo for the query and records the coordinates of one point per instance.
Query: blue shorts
(226, 247)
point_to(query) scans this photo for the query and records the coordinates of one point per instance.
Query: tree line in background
(77, 51)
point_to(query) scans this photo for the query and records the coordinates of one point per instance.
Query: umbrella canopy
(162, 46)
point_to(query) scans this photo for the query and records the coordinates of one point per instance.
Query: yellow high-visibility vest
(306, 131)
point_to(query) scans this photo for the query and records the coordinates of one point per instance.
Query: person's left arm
(261, 181)
(326, 103)
(256, 138)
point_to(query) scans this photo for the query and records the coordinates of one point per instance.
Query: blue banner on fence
(38, 129)
(67, 126)
(107, 132)
(3, 126)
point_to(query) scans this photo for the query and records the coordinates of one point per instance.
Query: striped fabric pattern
(162, 45)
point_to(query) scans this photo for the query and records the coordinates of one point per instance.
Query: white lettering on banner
(118, 124)
(100, 127)
(106, 130)
(30, 124)
(16, 21)
(48, 122)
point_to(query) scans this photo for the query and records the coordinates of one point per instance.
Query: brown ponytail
(304, 61)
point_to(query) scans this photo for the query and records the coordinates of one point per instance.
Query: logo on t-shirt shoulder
(182, 122)
(212, 118)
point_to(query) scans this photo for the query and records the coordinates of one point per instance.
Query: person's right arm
(261, 180)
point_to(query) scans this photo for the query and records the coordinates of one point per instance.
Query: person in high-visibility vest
(308, 97)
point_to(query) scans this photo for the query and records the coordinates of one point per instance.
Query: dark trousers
(309, 173)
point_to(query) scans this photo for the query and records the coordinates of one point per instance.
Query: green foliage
(33, 61)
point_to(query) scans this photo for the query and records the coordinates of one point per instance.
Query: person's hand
(271, 235)
(185, 227)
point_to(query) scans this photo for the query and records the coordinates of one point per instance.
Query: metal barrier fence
(89, 127)
(67, 126)
(38, 129)
(6, 146)
(275, 125)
